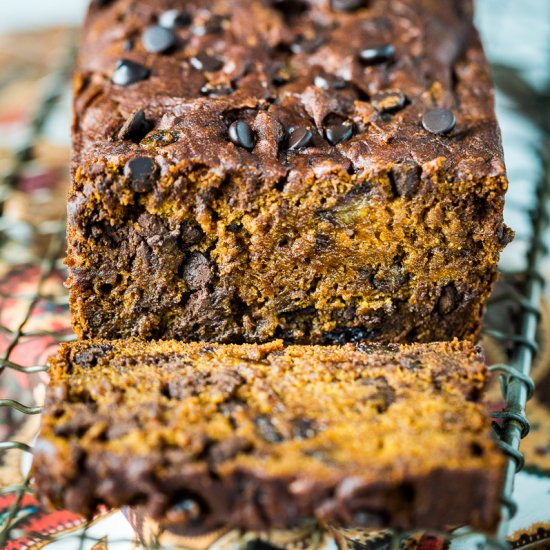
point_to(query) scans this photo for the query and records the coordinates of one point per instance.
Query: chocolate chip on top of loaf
(266, 436)
(317, 171)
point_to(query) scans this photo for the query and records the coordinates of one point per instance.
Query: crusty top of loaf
(271, 52)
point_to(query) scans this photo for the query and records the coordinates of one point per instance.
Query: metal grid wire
(510, 424)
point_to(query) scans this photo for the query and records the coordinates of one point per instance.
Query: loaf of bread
(265, 436)
(317, 171)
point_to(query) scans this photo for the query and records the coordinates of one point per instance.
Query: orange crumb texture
(310, 419)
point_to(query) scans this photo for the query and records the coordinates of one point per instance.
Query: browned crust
(393, 235)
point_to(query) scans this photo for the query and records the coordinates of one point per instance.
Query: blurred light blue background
(28, 14)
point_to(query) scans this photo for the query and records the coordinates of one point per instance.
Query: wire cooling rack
(521, 97)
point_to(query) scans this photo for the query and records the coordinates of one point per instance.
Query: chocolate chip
(174, 18)
(377, 54)
(328, 82)
(242, 135)
(128, 72)
(346, 5)
(448, 300)
(216, 90)
(438, 121)
(141, 172)
(405, 178)
(339, 132)
(101, 3)
(135, 127)
(206, 63)
(299, 137)
(158, 39)
(388, 101)
(307, 45)
(197, 271)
